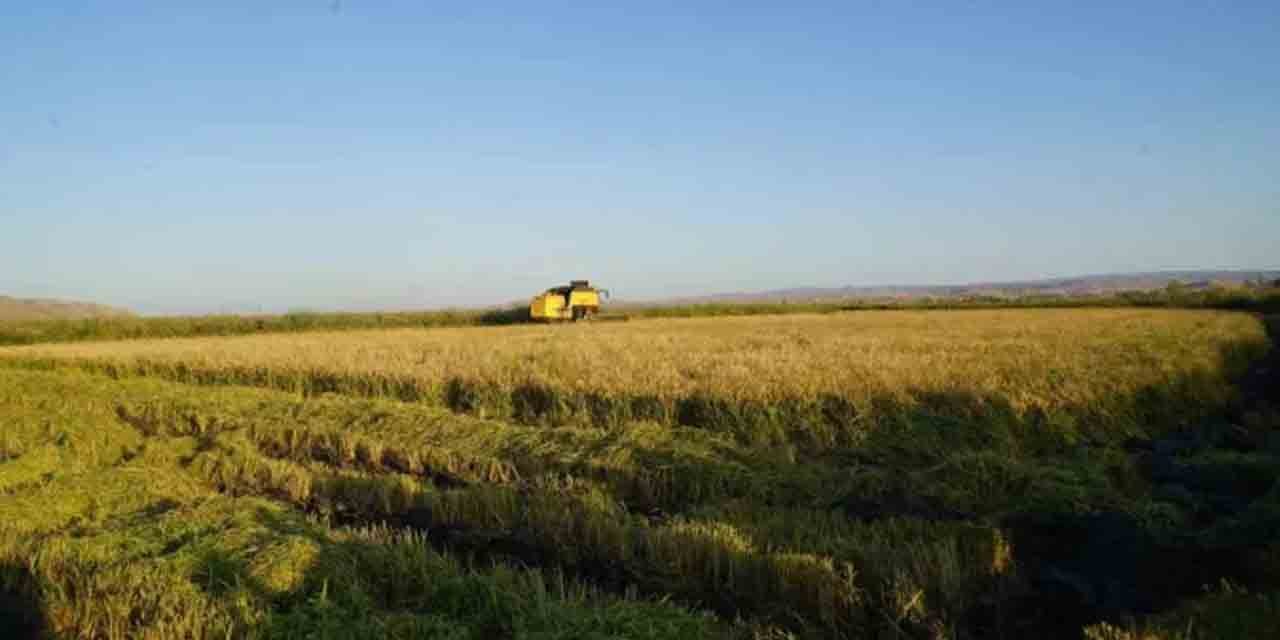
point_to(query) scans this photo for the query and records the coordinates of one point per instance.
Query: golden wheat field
(889, 474)
(1042, 360)
(1033, 357)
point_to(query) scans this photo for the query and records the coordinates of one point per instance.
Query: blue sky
(230, 157)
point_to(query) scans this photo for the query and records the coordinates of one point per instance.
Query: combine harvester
(578, 301)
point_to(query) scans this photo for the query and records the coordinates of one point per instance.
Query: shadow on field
(829, 421)
(1211, 514)
(21, 616)
(510, 315)
(1105, 524)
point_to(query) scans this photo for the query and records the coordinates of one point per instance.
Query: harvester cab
(578, 301)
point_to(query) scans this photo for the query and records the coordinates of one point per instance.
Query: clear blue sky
(278, 155)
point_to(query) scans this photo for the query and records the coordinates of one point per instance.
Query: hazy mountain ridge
(1068, 286)
(29, 309)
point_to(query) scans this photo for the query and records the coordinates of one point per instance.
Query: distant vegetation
(1252, 298)
(1263, 298)
(34, 310)
(1092, 285)
(231, 325)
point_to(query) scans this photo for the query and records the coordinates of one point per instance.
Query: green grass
(1225, 612)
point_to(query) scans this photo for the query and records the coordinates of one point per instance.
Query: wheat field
(762, 375)
(895, 474)
(1035, 357)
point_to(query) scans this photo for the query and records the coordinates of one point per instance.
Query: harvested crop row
(184, 458)
(647, 466)
(578, 527)
(550, 522)
(133, 541)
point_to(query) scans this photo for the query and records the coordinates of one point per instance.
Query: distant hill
(29, 309)
(1073, 286)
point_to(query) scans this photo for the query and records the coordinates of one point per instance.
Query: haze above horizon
(353, 155)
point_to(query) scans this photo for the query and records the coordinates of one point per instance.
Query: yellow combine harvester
(578, 301)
